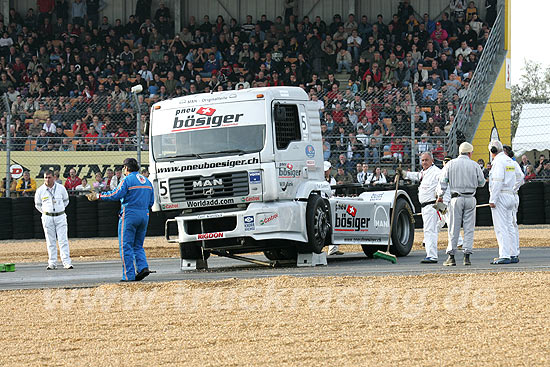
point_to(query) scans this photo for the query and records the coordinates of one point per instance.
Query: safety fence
(100, 218)
(85, 219)
(381, 121)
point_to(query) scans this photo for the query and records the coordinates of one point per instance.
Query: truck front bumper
(259, 221)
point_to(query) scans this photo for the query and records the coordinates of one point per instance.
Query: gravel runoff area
(496, 319)
(94, 249)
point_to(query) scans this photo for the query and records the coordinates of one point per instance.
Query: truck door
(291, 146)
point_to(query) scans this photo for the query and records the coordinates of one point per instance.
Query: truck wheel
(369, 250)
(403, 229)
(192, 251)
(317, 223)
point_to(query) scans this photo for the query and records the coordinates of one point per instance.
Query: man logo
(208, 191)
(381, 218)
(206, 111)
(208, 183)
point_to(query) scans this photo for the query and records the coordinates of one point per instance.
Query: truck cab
(244, 171)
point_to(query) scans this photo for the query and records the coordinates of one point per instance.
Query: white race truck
(244, 170)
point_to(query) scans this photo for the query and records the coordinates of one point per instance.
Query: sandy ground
(94, 249)
(497, 319)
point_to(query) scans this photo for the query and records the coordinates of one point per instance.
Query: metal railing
(481, 85)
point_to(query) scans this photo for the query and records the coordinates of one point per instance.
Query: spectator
(3, 187)
(540, 164)
(372, 151)
(524, 163)
(42, 141)
(544, 173)
(354, 44)
(26, 186)
(73, 180)
(108, 179)
(363, 175)
(344, 163)
(343, 60)
(49, 127)
(89, 143)
(99, 183)
(116, 178)
(78, 12)
(83, 187)
(487, 171)
(529, 173)
(342, 177)
(464, 50)
(429, 94)
(377, 177)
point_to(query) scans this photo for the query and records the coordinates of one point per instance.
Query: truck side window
(287, 125)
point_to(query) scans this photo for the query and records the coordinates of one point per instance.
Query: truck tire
(317, 223)
(192, 251)
(402, 234)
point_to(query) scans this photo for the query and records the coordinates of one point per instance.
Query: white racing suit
(429, 179)
(502, 181)
(519, 181)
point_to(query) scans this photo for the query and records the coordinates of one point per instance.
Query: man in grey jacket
(463, 176)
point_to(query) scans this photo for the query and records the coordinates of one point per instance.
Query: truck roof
(289, 93)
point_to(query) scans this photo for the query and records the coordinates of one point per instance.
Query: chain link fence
(383, 127)
(366, 124)
(92, 135)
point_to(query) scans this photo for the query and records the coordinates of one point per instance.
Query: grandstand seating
(384, 96)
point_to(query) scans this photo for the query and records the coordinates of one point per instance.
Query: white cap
(496, 144)
(465, 148)
(327, 165)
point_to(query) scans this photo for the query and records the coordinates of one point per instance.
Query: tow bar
(271, 264)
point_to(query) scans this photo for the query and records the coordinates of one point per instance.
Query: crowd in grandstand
(26, 186)
(68, 72)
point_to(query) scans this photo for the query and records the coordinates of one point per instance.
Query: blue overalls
(135, 193)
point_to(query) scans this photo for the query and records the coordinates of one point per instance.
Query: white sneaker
(51, 267)
(68, 266)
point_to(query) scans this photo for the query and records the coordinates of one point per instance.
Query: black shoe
(142, 274)
(467, 260)
(450, 261)
(514, 259)
(428, 260)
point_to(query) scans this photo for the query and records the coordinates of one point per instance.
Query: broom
(386, 255)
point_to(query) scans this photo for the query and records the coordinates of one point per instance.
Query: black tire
(6, 229)
(155, 226)
(22, 206)
(369, 250)
(192, 251)
(402, 234)
(317, 223)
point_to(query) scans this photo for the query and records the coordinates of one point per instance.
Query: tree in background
(534, 87)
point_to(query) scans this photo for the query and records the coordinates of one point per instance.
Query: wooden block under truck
(244, 172)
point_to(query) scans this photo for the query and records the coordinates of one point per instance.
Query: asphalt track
(91, 274)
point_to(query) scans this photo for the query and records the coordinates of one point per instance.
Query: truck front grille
(215, 186)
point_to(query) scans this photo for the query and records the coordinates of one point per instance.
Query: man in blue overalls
(135, 193)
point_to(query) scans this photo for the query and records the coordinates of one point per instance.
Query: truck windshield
(197, 143)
